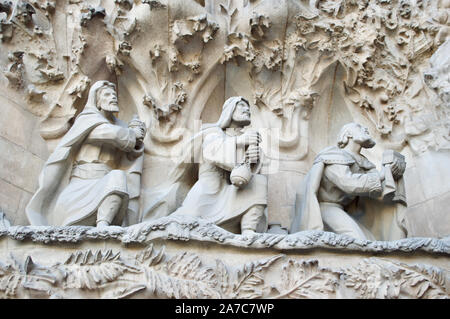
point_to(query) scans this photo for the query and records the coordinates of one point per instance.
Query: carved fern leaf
(375, 278)
(92, 270)
(250, 279)
(150, 256)
(89, 258)
(189, 266)
(164, 285)
(423, 281)
(306, 279)
(223, 278)
(185, 277)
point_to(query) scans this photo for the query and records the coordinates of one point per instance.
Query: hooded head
(103, 96)
(236, 109)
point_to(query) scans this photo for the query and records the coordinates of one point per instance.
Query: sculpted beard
(110, 106)
(242, 122)
(365, 141)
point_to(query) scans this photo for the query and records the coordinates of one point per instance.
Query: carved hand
(140, 131)
(135, 153)
(398, 169)
(249, 138)
(252, 154)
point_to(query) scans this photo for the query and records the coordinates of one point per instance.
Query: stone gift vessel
(224, 149)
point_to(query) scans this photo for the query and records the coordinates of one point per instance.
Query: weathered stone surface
(18, 166)
(307, 67)
(171, 269)
(183, 229)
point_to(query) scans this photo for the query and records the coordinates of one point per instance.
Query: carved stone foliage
(158, 50)
(377, 278)
(152, 273)
(185, 229)
(383, 60)
(381, 46)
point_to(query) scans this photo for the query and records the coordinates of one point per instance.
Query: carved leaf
(424, 281)
(189, 266)
(306, 280)
(91, 270)
(166, 286)
(374, 278)
(185, 277)
(223, 277)
(150, 256)
(250, 279)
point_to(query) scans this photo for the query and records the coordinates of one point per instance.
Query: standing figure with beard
(229, 191)
(340, 178)
(93, 176)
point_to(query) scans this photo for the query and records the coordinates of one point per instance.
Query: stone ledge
(185, 229)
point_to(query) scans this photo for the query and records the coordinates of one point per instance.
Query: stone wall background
(383, 63)
(23, 152)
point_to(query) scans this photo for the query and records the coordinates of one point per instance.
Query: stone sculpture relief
(317, 37)
(301, 68)
(152, 273)
(339, 176)
(93, 176)
(320, 31)
(378, 51)
(229, 189)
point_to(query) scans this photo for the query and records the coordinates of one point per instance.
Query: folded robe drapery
(56, 173)
(384, 218)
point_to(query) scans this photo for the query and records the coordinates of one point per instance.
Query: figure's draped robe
(213, 197)
(336, 172)
(70, 193)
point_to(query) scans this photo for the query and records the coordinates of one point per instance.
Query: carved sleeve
(353, 183)
(220, 150)
(121, 137)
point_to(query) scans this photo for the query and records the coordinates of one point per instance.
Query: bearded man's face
(241, 114)
(107, 100)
